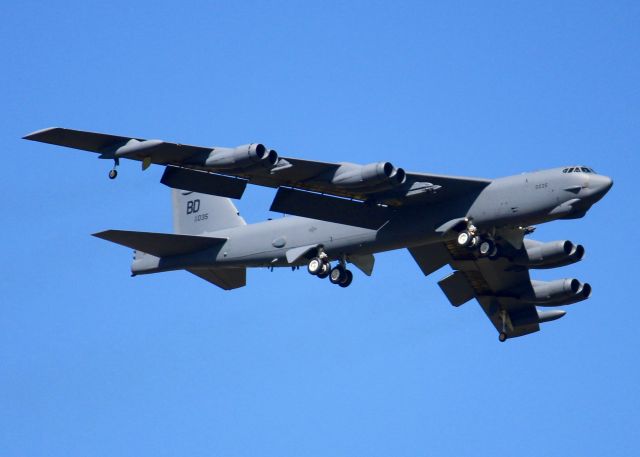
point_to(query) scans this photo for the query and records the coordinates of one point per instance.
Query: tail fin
(194, 213)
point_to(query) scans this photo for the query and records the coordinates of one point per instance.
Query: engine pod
(371, 177)
(240, 157)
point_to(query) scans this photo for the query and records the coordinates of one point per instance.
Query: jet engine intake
(558, 292)
(550, 255)
(241, 157)
(373, 177)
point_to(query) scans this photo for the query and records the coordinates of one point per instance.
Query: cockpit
(578, 170)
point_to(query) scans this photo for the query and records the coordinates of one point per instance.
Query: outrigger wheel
(502, 337)
(113, 173)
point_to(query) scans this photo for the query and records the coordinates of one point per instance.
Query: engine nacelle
(241, 157)
(371, 177)
(558, 292)
(550, 255)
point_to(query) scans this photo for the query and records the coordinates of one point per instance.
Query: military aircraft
(345, 213)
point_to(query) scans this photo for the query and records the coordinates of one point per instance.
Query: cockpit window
(578, 170)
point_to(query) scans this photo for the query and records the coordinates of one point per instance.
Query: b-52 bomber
(345, 213)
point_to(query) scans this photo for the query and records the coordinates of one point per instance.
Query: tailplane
(190, 247)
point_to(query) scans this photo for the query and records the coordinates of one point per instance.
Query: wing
(503, 288)
(305, 187)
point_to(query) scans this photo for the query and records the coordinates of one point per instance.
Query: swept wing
(305, 187)
(502, 286)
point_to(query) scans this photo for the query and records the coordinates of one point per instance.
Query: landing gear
(319, 266)
(348, 280)
(464, 238)
(315, 266)
(113, 173)
(502, 337)
(341, 276)
(338, 275)
(326, 270)
(488, 248)
(471, 239)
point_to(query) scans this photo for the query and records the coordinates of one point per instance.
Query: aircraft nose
(601, 184)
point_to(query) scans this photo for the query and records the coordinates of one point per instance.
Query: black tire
(314, 267)
(325, 272)
(464, 238)
(113, 174)
(502, 337)
(337, 275)
(486, 247)
(348, 279)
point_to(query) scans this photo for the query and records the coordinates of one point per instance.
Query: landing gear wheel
(326, 269)
(475, 241)
(348, 280)
(113, 174)
(486, 247)
(495, 253)
(338, 275)
(502, 337)
(315, 266)
(464, 238)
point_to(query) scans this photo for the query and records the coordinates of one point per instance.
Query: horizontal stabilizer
(160, 244)
(457, 288)
(203, 182)
(225, 278)
(330, 209)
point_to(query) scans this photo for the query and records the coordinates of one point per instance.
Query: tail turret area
(195, 214)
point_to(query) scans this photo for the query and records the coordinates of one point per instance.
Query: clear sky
(95, 363)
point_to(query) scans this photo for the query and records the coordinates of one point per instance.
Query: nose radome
(601, 184)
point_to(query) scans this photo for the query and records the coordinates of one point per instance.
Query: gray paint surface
(352, 212)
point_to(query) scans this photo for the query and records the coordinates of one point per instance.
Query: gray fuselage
(513, 201)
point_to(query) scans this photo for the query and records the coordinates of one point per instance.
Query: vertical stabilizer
(195, 214)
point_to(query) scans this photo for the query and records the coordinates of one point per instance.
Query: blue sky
(93, 362)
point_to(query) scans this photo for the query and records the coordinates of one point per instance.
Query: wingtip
(37, 133)
(102, 235)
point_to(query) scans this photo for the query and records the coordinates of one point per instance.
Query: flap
(330, 209)
(225, 278)
(431, 257)
(457, 288)
(160, 244)
(203, 182)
